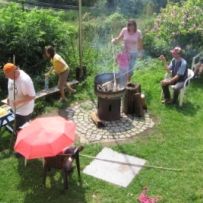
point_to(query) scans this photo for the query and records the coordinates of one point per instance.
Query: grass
(175, 142)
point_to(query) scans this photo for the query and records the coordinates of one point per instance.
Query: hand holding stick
(113, 40)
(162, 58)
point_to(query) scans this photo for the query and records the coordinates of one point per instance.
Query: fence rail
(30, 4)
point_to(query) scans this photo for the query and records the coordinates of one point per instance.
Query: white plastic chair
(186, 83)
(195, 60)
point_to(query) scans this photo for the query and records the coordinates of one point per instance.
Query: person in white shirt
(21, 93)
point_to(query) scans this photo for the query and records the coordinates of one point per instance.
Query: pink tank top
(122, 60)
(131, 40)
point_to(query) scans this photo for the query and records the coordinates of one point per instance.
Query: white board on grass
(112, 172)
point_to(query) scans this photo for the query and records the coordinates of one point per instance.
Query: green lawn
(175, 142)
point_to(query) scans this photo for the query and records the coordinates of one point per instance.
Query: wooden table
(6, 121)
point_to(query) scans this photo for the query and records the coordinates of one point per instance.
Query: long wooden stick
(133, 165)
(114, 64)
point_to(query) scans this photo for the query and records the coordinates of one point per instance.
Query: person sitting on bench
(178, 68)
(199, 68)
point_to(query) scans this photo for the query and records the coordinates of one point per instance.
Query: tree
(177, 24)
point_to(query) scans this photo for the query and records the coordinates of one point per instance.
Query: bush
(104, 27)
(115, 21)
(177, 24)
(25, 33)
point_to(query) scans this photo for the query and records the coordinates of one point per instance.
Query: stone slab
(112, 172)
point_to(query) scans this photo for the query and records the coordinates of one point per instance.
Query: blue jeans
(123, 77)
(132, 59)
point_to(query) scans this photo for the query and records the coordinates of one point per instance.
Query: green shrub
(115, 22)
(25, 33)
(104, 26)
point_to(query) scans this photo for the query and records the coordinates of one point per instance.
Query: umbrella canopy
(45, 137)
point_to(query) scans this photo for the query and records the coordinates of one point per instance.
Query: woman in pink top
(133, 46)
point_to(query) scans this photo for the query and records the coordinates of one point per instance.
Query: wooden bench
(6, 121)
(44, 92)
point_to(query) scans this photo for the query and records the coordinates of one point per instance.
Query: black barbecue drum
(109, 94)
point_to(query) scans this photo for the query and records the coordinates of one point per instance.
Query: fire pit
(109, 92)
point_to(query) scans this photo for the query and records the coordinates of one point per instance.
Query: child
(61, 68)
(123, 63)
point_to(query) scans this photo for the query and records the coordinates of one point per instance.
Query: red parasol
(45, 137)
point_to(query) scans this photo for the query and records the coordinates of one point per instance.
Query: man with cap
(21, 93)
(179, 72)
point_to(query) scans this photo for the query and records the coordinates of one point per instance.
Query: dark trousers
(21, 120)
(167, 94)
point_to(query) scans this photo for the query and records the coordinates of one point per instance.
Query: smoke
(101, 43)
(107, 52)
(112, 23)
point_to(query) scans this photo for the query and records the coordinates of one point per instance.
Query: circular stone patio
(126, 127)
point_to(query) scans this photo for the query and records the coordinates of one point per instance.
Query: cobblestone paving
(126, 127)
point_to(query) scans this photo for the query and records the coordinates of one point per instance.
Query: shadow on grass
(5, 154)
(5, 139)
(188, 108)
(197, 83)
(148, 97)
(66, 112)
(31, 185)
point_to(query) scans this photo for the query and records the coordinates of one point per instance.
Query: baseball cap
(9, 68)
(176, 50)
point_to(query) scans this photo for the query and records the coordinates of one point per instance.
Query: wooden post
(14, 59)
(80, 33)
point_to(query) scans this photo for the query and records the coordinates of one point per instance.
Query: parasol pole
(14, 107)
(80, 33)
(14, 96)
